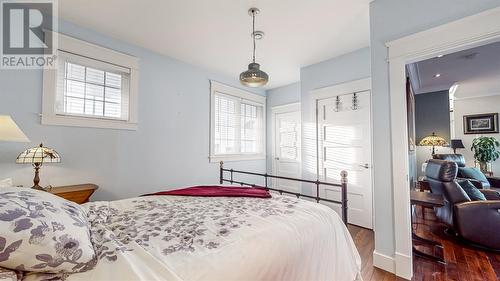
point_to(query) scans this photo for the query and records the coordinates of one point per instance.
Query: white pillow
(6, 183)
(42, 232)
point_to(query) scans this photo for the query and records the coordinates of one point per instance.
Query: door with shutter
(344, 143)
(286, 146)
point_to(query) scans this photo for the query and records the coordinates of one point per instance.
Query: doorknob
(366, 166)
(276, 158)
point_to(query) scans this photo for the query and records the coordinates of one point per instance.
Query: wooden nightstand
(79, 193)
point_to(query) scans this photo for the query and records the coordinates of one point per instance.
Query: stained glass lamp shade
(36, 156)
(433, 141)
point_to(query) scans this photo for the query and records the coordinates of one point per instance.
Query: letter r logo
(22, 27)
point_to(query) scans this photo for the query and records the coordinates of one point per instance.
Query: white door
(345, 144)
(286, 146)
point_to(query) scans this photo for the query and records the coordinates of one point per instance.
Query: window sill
(75, 121)
(236, 157)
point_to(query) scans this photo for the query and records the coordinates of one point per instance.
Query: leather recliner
(457, 158)
(475, 221)
(492, 182)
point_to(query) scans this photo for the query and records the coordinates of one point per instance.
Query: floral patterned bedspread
(217, 238)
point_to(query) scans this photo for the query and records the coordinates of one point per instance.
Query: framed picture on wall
(486, 123)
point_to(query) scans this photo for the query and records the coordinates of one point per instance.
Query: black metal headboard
(342, 185)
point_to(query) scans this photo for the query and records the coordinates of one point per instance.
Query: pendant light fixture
(254, 77)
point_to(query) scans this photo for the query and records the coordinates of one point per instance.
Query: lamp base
(36, 179)
(38, 187)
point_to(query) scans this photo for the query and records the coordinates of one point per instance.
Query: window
(91, 91)
(237, 124)
(91, 87)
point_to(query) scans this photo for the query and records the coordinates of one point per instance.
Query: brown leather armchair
(492, 182)
(475, 221)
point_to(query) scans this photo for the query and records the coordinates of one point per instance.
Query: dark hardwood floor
(463, 263)
(363, 238)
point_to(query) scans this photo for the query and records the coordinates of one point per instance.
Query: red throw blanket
(217, 191)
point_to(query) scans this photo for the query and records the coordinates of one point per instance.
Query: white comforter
(218, 238)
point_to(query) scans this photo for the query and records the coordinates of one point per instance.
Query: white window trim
(85, 49)
(248, 97)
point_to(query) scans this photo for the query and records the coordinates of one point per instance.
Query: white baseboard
(384, 262)
(397, 265)
(404, 266)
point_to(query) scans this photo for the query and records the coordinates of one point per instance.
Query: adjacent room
(249, 140)
(453, 136)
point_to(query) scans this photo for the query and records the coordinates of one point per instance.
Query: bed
(161, 237)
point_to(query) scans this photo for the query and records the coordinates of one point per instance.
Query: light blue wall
(345, 68)
(170, 148)
(389, 20)
(278, 96)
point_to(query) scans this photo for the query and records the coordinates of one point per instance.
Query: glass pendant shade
(254, 77)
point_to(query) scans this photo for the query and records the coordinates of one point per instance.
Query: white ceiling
(215, 34)
(477, 72)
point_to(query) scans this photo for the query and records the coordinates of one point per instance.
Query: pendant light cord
(253, 34)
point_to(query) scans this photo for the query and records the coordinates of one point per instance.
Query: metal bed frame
(342, 185)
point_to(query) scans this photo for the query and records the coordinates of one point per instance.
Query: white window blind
(91, 88)
(249, 127)
(225, 124)
(238, 124)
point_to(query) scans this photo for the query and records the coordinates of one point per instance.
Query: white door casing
(462, 34)
(286, 152)
(344, 143)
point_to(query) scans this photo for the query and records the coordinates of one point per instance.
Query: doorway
(286, 151)
(469, 32)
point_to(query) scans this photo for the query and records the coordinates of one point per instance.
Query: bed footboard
(317, 183)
